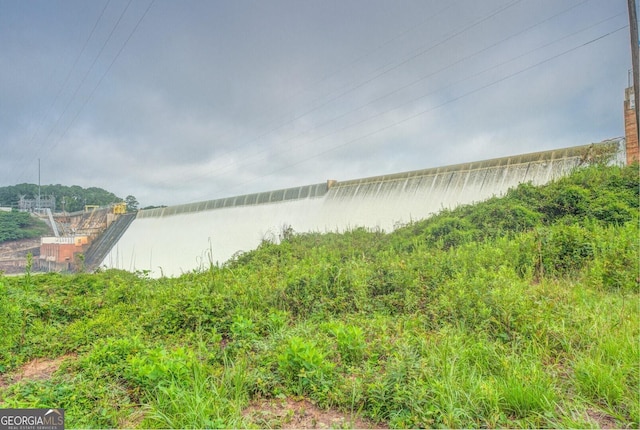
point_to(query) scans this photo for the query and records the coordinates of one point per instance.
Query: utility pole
(633, 26)
(39, 187)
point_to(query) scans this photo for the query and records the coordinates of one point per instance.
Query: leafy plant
(350, 341)
(516, 312)
(16, 225)
(304, 366)
(10, 329)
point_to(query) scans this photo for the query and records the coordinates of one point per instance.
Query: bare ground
(604, 421)
(301, 414)
(36, 370)
(17, 248)
(13, 254)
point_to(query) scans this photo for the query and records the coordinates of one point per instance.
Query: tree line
(68, 198)
(20, 225)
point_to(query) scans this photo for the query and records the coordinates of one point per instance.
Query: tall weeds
(517, 312)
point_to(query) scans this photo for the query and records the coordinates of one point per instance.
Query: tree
(16, 225)
(132, 203)
(74, 197)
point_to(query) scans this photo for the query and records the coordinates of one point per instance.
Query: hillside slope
(68, 198)
(21, 225)
(517, 312)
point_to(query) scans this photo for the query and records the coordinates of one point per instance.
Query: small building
(60, 253)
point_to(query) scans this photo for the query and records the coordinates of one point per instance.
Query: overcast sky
(182, 101)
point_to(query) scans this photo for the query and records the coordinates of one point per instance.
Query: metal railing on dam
(103, 244)
(172, 240)
(303, 192)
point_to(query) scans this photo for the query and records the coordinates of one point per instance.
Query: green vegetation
(20, 225)
(518, 312)
(70, 199)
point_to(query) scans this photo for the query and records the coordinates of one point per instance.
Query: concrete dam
(178, 239)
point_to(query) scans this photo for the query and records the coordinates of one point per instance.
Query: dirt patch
(13, 254)
(18, 248)
(604, 420)
(301, 414)
(35, 370)
(132, 421)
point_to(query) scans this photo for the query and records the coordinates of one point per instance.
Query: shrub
(499, 217)
(617, 266)
(305, 367)
(565, 249)
(449, 231)
(10, 328)
(350, 342)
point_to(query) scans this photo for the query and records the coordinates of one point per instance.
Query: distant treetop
(68, 198)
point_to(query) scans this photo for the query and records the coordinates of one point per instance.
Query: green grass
(517, 312)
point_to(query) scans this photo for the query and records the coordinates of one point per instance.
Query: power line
(425, 111)
(423, 96)
(420, 52)
(82, 81)
(84, 104)
(62, 86)
(131, 33)
(347, 89)
(377, 48)
(275, 125)
(431, 74)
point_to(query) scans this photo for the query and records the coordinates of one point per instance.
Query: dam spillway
(177, 239)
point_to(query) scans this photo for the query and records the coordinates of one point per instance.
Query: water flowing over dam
(177, 239)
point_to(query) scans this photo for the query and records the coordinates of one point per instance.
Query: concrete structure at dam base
(178, 239)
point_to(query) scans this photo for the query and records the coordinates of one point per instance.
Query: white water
(179, 239)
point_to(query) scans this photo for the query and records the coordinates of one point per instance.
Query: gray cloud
(214, 98)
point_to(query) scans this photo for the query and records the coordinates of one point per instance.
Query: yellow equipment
(120, 208)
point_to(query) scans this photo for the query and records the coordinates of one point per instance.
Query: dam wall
(106, 241)
(177, 239)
